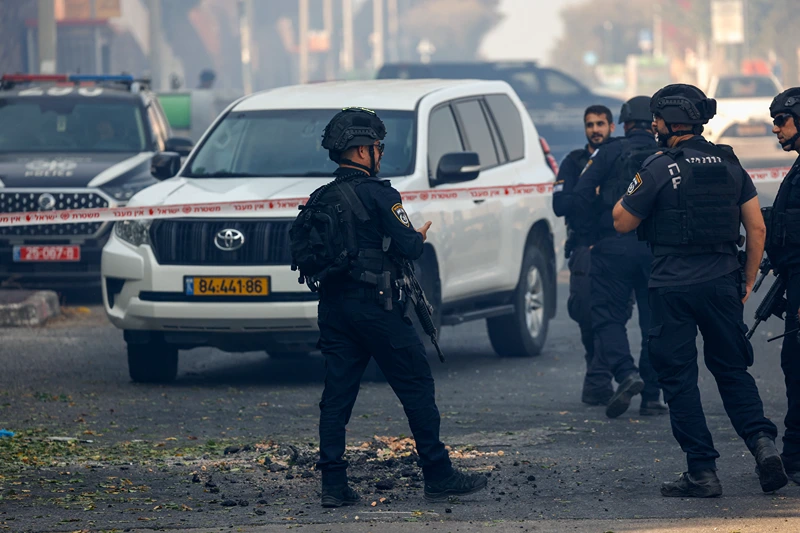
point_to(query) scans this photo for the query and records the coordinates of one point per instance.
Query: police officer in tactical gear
(598, 125)
(360, 315)
(688, 202)
(783, 250)
(620, 264)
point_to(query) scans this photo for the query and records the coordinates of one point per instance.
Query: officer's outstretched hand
(424, 230)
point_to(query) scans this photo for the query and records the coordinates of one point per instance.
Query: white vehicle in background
(742, 120)
(226, 282)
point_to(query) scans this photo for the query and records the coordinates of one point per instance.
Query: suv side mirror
(457, 167)
(179, 145)
(165, 165)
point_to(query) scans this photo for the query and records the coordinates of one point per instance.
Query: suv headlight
(135, 232)
(124, 191)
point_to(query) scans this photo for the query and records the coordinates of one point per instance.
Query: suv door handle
(479, 201)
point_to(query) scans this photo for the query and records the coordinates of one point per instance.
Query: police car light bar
(101, 78)
(22, 78)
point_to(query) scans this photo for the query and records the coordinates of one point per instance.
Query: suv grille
(191, 242)
(26, 201)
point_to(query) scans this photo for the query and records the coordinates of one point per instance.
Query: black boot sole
(771, 474)
(621, 401)
(331, 501)
(693, 492)
(444, 495)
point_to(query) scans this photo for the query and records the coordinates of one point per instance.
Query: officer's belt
(359, 293)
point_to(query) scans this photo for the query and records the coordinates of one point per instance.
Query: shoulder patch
(401, 214)
(558, 186)
(635, 184)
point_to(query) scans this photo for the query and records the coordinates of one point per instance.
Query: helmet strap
(352, 163)
(790, 143)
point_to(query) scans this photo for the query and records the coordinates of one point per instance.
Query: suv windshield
(70, 124)
(286, 143)
(746, 87)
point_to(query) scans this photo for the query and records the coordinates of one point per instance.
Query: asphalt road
(232, 442)
(553, 462)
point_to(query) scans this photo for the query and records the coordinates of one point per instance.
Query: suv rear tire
(154, 362)
(523, 333)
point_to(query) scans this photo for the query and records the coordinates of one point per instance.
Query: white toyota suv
(225, 281)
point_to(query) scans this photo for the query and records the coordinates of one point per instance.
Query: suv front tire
(154, 362)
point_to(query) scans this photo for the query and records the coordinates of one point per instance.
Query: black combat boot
(769, 465)
(653, 408)
(619, 403)
(700, 484)
(458, 484)
(339, 495)
(792, 469)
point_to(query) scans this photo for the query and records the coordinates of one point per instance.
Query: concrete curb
(27, 308)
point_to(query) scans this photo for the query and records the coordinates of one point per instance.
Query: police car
(72, 141)
(225, 281)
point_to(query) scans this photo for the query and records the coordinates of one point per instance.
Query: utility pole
(98, 55)
(346, 59)
(377, 34)
(394, 30)
(245, 18)
(327, 17)
(303, 46)
(155, 43)
(658, 36)
(47, 37)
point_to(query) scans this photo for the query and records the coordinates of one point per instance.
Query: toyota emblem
(47, 201)
(229, 240)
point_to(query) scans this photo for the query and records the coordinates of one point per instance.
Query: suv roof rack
(9, 81)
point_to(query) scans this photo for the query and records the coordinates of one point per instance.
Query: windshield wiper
(224, 174)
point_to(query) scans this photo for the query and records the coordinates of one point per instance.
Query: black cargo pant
(715, 308)
(352, 330)
(790, 363)
(621, 265)
(596, 385)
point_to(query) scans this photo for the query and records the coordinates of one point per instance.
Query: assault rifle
(411, 292)
(774, 302)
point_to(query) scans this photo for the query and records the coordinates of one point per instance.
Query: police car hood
(210, 190)
(51, 170)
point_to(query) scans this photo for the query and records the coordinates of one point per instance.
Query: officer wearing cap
(688, 202)
(598, 125)
(783, 249)
(620, 265)
(355, 326)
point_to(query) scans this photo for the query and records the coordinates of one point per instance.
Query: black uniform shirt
(599, 169)
(787, 258)
(653, 188)
(577, 219)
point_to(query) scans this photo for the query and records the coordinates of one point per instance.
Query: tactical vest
(625, 168)
(707, 217)
(783, 219)
(578, 235)
(324, 242)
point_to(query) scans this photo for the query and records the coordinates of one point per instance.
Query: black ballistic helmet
(352, 126)
(786, 102)
(637, 109)
(683, 104)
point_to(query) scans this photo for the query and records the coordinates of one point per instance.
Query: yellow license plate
(226, 286)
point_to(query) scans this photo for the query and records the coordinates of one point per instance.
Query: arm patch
(401, 214)
(635, 184)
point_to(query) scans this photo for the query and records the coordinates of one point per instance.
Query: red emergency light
(23, 78)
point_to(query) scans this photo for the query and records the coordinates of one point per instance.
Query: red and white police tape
(108, 214)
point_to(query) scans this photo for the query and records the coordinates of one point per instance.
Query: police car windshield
(747, 87)
(286, 143)
(70, 124)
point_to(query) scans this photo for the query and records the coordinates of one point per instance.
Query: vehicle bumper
(53, 275)
(139, 294)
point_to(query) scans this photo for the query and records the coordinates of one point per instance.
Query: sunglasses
(381, 147)
(781, 119)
